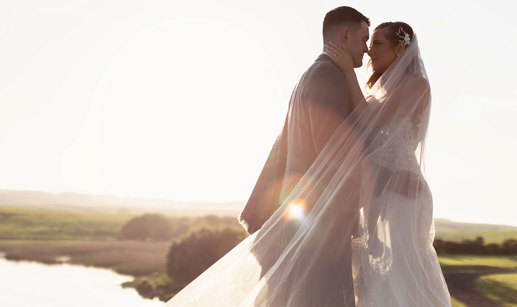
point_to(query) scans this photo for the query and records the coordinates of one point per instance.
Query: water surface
(32, 284)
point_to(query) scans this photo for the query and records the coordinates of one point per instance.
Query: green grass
(456, 303)
(501, 288)
(17, 223)
(39, 224)
(471, 262)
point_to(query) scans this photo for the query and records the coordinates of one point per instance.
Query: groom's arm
(327, 102)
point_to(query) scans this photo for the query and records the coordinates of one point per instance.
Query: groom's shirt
(318, 105)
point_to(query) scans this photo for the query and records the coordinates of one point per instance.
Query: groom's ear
(344, 35)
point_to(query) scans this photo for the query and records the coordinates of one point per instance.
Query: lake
(28, 284)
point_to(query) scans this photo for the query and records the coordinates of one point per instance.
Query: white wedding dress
(372, 161)
(395, 263)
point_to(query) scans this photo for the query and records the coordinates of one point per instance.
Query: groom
(322, 100)
(319, 104)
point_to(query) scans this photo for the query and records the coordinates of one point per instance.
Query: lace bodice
(394, 144)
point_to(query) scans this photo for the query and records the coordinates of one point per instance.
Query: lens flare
(295, 210)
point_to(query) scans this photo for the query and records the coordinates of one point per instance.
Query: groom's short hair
(341, 16)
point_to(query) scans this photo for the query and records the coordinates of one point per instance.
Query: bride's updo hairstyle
(392, 33)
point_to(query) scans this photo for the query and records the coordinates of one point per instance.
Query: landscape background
(130, 131)
(164, 244)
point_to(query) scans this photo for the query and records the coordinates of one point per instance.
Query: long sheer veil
(368, 173)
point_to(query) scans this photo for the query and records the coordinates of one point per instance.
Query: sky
(183, 100)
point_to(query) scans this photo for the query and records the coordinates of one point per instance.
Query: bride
(373, 161)
(396, 262)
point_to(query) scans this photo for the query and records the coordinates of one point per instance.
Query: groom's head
(347, 27)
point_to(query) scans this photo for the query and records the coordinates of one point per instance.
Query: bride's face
(382, 52)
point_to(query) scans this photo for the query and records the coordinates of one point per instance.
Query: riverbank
(145, 261)
(94, 239)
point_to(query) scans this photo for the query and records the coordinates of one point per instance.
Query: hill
(85, 203)
(448, 230)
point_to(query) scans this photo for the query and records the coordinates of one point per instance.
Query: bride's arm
(341, 57)
(412, 95)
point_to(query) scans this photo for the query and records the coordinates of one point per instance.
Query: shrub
(190, 256)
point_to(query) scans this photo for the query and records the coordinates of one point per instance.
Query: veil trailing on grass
(369, 173)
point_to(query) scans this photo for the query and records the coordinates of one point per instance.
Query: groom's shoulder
(323, 82)
(324, 70)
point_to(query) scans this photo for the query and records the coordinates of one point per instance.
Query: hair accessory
(404, 36)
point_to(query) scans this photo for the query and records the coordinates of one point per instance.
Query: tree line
(475, 247)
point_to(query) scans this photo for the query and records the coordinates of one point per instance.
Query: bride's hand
(340, 56)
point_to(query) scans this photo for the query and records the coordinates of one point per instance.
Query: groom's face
(356, 43)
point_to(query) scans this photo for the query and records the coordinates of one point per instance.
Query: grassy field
(41, 224)
(471, 262)
(501, 288)
(38, 224)
(455, 303)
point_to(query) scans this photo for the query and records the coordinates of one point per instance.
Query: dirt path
(461, 287)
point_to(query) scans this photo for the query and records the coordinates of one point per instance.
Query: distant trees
(148, 227)
(157, 227)
(475, 247)
(189, 256)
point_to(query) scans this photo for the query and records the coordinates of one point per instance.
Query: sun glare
(295, 210)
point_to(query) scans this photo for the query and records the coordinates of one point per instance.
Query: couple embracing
(341, 214)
